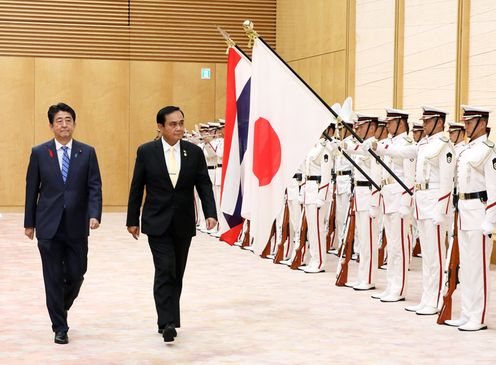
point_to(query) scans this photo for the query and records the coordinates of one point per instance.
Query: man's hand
(134, 230)
(94, 223)
(29, 232)
(211, 223)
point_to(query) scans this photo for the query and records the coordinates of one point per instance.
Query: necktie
(65, 163)
(172, 167)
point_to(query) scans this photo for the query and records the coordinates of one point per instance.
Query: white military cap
(222, 122)
(454, 126)
(213, 125)
(417, 125)
(429, 112)
(393, 114)
(362, 119)
(470, 111)
(203, 126)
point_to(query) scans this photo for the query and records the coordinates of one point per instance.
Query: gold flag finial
(250, 32)
(230, 43)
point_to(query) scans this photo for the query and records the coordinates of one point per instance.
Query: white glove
(487, 228)
(301, 199)
(320, 203)
(365, 146)
(373, 212)
(404, 211)
(438, 219)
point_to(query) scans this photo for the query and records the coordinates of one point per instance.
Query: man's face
(361, 130)
(173, 128)
(454, 135)
(429, 124)
(471, 125)
(417, 134)
(392, 126)
(63, 126)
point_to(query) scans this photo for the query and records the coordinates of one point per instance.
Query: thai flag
(235, 142)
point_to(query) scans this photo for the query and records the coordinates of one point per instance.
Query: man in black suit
(63, 200)
(169, 168)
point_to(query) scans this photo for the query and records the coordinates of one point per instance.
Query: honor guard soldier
(457, 136)
(204, 136)
(396, 205)
(317, 200)
(294, 207)
(295, 212)
(218, 143)
(343, 170)
(376, 206)
(434, 174)
(210, 153)
(476, 183)
(365, 193)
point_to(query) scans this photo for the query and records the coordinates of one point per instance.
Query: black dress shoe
(169, 332)
(161, 331)
(61, 337)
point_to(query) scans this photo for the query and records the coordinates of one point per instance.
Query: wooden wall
(172, 30)
(115, 101)
(316, 38)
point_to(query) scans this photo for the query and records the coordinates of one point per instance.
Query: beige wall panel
(151, 90)
(194, 95)
(430, 55)
(99, 92)
(157, 84)
(311, 27)
(334, 77)
(325, 74)
(482, 61)
(56, 80)
(220, 90)
(17, 136)
(374, 56)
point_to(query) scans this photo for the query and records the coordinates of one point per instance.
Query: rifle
(284, 235)
(332, 220)
(342, 269)
(452, 276)
(382, 249)
(266, 250)
(303, 241)
(246, 238)
(417, 250)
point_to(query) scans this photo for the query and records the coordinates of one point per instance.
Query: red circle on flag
(266, 152)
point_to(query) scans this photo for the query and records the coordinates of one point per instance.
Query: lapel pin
(76, 154)
(50, 152)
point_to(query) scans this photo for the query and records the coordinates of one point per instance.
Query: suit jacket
(167, 207)
(47, 197)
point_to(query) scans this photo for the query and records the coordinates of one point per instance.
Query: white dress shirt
(60, 151)
(177, 153)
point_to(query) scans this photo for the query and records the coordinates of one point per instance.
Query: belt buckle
(461, 196)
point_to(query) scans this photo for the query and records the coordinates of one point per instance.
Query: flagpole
(377, 158)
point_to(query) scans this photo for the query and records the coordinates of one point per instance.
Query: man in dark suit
(169, 168)
(63, 200)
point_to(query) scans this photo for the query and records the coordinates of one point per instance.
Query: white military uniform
(219, 151)
(397, 214)
(317, 200)
(294, 207)
(476, 181)
(343, 170)
(366, 195)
